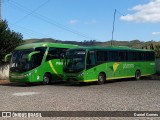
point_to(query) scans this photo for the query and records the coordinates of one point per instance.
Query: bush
(9, 40)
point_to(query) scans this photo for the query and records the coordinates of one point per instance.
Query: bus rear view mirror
(31, 54)
(7, 57)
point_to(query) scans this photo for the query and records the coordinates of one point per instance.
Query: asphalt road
(117, 95)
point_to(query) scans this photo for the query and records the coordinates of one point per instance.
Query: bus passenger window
(105, 56)
(123, 56)
(55, 53)
(91, 59)
(37, 58)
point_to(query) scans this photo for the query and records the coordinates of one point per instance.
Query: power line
(29, 34)
(25, 28)
(52, 22)
(120, 12)
(29, 31)
(31, 12)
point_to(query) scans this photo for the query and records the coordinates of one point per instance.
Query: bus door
(54, 58)
(112, 65)
(90, 66)
(36, 63)
(121, 58)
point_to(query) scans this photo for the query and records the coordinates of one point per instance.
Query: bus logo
(59, 63)
(6, 114)
(128, 66)
(115, 66)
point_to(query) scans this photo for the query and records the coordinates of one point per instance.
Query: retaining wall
(4, 72)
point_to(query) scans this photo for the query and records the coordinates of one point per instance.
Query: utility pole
(0, 10)
(113, 26)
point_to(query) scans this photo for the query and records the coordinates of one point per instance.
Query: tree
(157, 49)
(9, 40)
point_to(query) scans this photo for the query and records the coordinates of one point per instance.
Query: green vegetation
(154, 46)
(133, 43)
(8, 40)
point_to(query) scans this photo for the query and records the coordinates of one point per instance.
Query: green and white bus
(37, 62)
(107, 63)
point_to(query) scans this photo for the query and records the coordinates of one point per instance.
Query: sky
(79, 20)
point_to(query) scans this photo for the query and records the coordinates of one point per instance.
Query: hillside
(133, 43)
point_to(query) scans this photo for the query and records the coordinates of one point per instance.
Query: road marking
(24, 93)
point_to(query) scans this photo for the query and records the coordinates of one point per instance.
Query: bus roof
(113, 48)
(45, 44)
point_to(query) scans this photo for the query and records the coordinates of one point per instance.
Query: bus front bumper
(19, 78)
(73, 78)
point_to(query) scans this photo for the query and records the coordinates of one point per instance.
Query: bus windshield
(19, 62)
(74, 61)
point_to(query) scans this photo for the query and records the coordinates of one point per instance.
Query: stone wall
(4, 72)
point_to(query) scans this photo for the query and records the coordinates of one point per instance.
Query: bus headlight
(26, 75)
(81, 74)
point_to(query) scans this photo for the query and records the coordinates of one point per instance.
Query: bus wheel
(137, 75)
(46, 79)
(101, 79)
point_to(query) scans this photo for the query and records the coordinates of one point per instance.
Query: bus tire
(101, 79)
(137, 75)
(46, 79)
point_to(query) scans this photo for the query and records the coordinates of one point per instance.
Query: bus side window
(110, 56)
(152, 56)
(91, 59)
(123, 56)
(141, 56)
(62, 52)
(37, 58)
(105, 56)
(115, 56)
(55, 53)
(149, 56)
(102, 56)
(133, 56)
